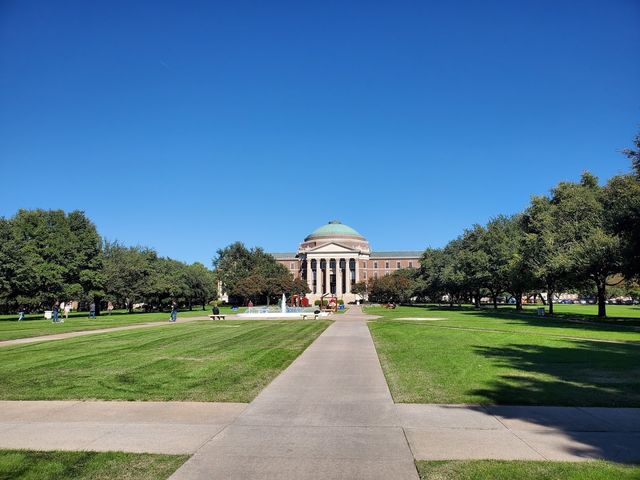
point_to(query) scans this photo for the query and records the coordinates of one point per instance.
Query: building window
(364, 264)
(365, 275)
(410, 264)
(375, 274)
(375, 264)
(293, 266)
(386, 264)
(397, 264)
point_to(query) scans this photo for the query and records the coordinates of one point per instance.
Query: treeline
(254, 275)
(49, 256)
(583, 237)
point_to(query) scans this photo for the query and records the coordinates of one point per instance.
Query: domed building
(335, 256)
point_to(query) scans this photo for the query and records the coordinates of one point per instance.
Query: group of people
(64, 307)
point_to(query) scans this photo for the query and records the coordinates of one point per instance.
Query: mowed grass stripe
(57, 465)
(525, 470)
(199, 361)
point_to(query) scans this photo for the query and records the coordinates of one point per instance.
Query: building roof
(401, 254)
(334, 229)
(284, 256)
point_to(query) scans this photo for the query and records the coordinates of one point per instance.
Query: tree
(235, 264)
(594, 251)
(621, 199)
(545, 252)
(395, 288)
(634, 155)
(504, 244)
(472, 263)
(201, 284)
(53, 256)
(361, 288)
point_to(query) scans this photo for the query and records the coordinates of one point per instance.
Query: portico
(335, 256)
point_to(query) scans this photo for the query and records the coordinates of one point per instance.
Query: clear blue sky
(187, 125)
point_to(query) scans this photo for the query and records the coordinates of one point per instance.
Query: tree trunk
(476, 297)
(550, 300)
(130, 307)
(495, 301)
(602, 298)
(544, 302)
(518, 301)
(96, 300)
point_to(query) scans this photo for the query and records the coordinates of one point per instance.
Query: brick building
(335, 256)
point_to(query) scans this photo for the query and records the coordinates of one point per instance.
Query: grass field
(525, 470)
(227, 361)
(30, 465)
(35, 325)
(471, 356)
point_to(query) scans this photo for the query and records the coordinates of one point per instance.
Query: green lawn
(30, 465)
(499, 358)
(225, 361)
(525, 470)
(35, 325)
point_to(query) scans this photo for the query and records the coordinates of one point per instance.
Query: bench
(216, 317)
(305, 315)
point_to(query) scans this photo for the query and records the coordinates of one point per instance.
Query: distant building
(335, 256)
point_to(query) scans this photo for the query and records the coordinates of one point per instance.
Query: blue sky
(185, 126)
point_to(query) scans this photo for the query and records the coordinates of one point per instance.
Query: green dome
(334, 229)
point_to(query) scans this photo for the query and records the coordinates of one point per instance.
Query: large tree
(594, 250)
(236, 264)
(53, 257)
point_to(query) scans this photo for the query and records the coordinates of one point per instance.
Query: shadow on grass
(578, 322)
(583, 373)
(590, 375)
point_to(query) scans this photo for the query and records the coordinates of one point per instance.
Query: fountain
(281, 312)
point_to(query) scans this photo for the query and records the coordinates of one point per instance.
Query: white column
(309, 275)
(347, 277)
(357, 270)
(338, 279)
(319, 276)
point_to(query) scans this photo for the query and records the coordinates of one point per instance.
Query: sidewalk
(81, 333)
(329, 415)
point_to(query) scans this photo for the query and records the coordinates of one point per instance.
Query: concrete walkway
(82, 333)
(152, 427)
(329, 415)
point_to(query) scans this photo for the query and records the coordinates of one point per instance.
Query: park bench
(305, 315)
(217, 317)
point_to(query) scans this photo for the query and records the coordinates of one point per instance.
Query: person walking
(92, 310)
(174, 311)
(67, 309)
(109, 308)
(21, 313)
(55, 312)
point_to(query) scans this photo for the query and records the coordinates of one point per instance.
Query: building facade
(335, 256)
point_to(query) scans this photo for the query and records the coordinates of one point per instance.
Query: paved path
(153, 427)
(329, 415)
(81, 333)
